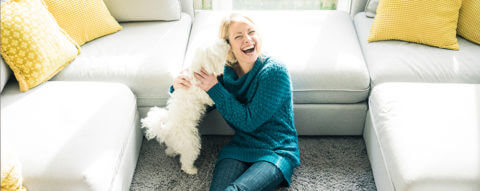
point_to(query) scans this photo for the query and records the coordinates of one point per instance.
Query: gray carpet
(327, 163)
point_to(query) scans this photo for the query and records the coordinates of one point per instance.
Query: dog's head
(212, 57)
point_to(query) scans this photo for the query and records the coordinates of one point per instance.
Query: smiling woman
(254, 96)
(241, 33)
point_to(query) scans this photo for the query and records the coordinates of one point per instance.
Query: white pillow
(5, 74)
(371, 8)
(144, 10)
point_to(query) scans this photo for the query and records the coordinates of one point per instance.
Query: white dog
(176, 124)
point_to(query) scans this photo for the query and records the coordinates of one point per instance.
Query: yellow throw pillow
(469, 20)
(11, 179)
(430, 22)
(33, 44)
(84, 20)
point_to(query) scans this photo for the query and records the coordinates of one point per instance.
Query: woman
(255, 98)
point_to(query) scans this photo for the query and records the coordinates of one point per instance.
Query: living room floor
(327, 163)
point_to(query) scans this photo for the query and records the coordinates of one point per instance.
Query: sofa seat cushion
(320, 49)
(70, 135)
(143, 56)
(398, 61)
(428, 134)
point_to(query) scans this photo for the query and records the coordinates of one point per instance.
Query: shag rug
(327, 163)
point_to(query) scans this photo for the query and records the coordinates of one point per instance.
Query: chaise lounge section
(422, 129)
(424, 136)
(73, 135)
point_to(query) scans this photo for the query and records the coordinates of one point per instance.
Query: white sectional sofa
(422, 134)
(80, 130)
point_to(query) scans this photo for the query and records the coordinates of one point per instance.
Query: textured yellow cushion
(33, 45)
(84, 20)
(469, 20)
(11, 179)
(431, 22)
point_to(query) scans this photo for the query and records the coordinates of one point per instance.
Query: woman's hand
(182, 81)
(206, 80)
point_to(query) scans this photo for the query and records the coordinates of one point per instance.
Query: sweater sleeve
(273, 89)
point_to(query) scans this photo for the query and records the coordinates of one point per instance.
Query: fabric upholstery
(381, 174)
(310, 119)
(398, 61)
(83, 20)
(11, 172)
(144, 56)
(431, 22)
(77, 132)
(144, 10)
(33, 44)
(469, 21)
(371, 8)
(428, 134)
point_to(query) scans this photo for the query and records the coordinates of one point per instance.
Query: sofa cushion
(32, 43)
(435, 22)
(144, 10)
(143, 55)
(83, 20)
(319, 48)
(397, 61)
(428, 135)
(69, 135)
(469, 21)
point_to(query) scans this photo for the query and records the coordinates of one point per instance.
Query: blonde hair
(223, 33)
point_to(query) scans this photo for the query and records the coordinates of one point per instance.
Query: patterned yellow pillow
(431, 22)
(469, 20)
(33, 45)
(84, 20)
(11, 178)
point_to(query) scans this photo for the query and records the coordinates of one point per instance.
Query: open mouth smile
(249, 50)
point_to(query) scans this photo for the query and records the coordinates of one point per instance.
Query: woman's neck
(243, 68)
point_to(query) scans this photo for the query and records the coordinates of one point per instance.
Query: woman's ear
(227, 41)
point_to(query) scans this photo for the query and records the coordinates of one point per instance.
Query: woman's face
(245, 42)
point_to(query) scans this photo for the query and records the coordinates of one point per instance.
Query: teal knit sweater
(258, 106)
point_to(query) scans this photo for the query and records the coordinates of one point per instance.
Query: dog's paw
(149, 135)
(191, 171)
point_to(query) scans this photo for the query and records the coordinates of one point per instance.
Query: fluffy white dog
(176, 124)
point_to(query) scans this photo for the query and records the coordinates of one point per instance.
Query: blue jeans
(231, 175)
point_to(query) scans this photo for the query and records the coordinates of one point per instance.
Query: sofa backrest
(187, 7)
(149, 10)
(357, 6)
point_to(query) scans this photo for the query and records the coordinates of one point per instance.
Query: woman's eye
(251, 32)
(237, 37)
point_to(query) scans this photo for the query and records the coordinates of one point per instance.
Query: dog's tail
(155, 124)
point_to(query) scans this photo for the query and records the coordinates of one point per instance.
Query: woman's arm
(273, 89)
